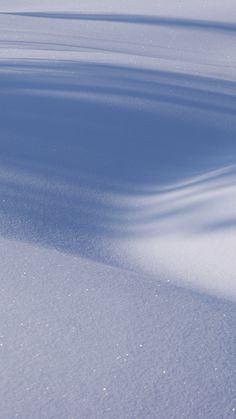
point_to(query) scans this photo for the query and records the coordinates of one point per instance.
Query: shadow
(88, 137)
(222, 225)
(171, 93)
(134, 19)
(91, 155)
(193, 209)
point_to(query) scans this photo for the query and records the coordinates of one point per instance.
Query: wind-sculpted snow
(135, 19)
(98, 152)
(118, 209)
(188, 230)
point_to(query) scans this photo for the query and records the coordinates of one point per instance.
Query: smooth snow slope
(118, 209)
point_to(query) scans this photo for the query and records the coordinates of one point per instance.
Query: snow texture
(118, 209)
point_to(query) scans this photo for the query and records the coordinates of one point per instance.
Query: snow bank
(117, 203)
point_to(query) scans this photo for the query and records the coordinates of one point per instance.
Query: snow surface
(118, 209)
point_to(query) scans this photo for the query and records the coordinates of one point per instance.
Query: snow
(118, 209)
(82, 339)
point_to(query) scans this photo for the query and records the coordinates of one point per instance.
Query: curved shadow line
(134, 19)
